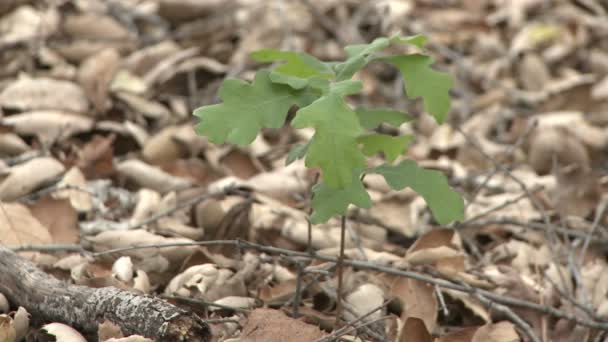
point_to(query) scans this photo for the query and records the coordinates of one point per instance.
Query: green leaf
(327, 201)
(333, 147)
(422, 81)
(418, 40)
(246, 108)
(297, 152)
(298, 69)
(446, 204)
(358, 56)
(372, 118)
(392, 147)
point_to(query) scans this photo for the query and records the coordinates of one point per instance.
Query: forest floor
(99, 153)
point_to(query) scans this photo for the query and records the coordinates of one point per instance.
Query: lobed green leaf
(372, 118)
(446, 204)
(246, 108)
(298, 69)
(422, 81)
(327, 201)
(391, 146)
(334, 146)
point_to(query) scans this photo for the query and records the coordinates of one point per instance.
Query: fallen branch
(51, 300)
(360, 264)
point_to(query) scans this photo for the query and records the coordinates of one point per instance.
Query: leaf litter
(99, 150)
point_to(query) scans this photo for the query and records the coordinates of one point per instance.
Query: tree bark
(51, 300)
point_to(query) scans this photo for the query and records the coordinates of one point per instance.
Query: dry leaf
(44, 93)
(497, 332)
(162, 148)
(107, 330)
(151, 177)
(19, 227)
(29, 176)
(273, 326)
(414, 329)
(73, 186)
(63, 332)
(48, 125)
(95, 74)
(21, 323)
(59, 217)
(7, 331)
(120, 239)
(4, 305)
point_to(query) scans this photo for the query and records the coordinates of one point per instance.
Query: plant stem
(340, 270)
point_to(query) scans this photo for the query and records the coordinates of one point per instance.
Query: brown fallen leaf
(151, 177)
(28, 176)
(44, 93)
(19, 227)
(414, 329)
(95, 159)
(269, 325)
(63, 332)
(75, 191)
(417, 299)
(48, 126)
(59, 217)
(95, 74)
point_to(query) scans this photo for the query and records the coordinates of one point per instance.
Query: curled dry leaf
(148, 108)
(278, 294)
(7, 330)
(172, 226)
(95, 74)
(282, 182)
(28, 176)
(146, 58)
(48, 125)
(141, 282)
(124, 81)
(364, 299)
(121, 239)
(21, 323)
(94, 27)
(417, 300)
(4, 305)
(27, 23)
(236, 302)
(558, 144)
(151, 177)
(148, 202)
(209, 214)
(63, 332)
(162, 147)
(122, 269)
(184, 10)
(19, 227)
(73, 186)
(107, 330)
(11, 144)
(206, 281)
(439, 247)
(44, 93)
